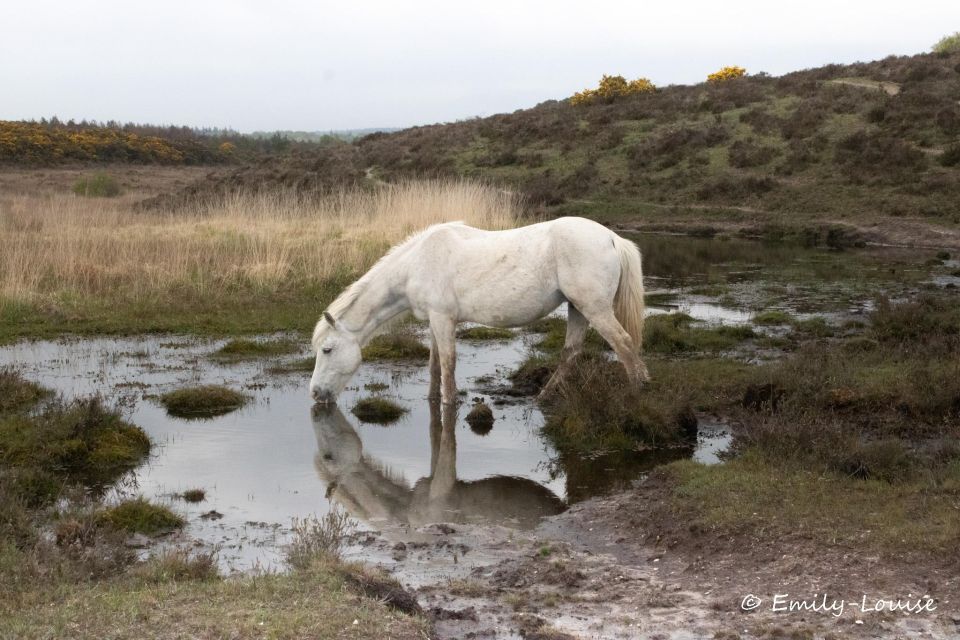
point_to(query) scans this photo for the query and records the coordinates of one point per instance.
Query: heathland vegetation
(864, 143)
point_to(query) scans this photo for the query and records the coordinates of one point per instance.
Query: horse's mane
(352, 292)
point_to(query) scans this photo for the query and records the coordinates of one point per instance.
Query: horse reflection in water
(369, 491)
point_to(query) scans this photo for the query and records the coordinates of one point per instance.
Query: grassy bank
(250, 262)
(66, 570)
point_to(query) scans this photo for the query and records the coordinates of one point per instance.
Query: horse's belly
(509, 308)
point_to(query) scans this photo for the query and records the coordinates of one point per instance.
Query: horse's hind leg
(576, 331)
(443, 329)
(606, 324)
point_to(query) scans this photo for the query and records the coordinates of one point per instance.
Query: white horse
(451, 273)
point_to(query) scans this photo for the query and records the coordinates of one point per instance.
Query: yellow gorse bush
(727, 73)
(611, 87)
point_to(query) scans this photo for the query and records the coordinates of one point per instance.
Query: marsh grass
(138, 515)
(99, 185)
(674, 333)
(193, 495)
(16, 393)
(318, 538)
(206, 401)
(80, 441)
(772, 318)
(400, 344)
(485, 333)
(242, 349)
(596, 407)
(300, 365)
(252, 261)
(177, 565)
(378, 410)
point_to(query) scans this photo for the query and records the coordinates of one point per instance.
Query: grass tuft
(240, 349)
(206, 401)
(100, 185)
(318, 539)
(17, 393)
(772, 318)
(177, 565)
(480, 419)
(194, 495)
(400, 345)
(485, 333)
(378, 410)
(140, 516)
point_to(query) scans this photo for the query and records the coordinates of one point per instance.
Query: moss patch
(378, 410)
(206, 401)
(140, 516)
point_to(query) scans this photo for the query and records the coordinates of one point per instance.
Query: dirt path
(604, 569)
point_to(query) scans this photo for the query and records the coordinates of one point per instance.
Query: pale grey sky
(317, 65)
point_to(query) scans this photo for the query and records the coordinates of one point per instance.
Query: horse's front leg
(443, 328)
(434, 369)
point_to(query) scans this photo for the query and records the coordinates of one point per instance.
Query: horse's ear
(329, 319)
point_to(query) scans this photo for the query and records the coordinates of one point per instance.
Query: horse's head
(338, 358)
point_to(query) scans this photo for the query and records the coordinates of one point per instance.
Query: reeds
(57, 248)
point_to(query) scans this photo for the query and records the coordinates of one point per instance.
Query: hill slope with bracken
(866, 142)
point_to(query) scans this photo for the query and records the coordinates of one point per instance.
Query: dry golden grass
(61, 251)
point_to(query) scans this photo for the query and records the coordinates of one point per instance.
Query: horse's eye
(327, 349)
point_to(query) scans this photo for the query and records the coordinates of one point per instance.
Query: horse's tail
(628, 302)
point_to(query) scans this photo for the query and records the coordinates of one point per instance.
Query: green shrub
(948, 44)
(100, 185)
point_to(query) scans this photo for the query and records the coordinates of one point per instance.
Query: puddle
(280, 458)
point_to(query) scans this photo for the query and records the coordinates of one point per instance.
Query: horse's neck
(380, 300)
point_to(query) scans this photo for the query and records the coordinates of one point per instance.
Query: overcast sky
(316, 65)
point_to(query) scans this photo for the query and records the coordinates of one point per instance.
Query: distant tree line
(50, 142)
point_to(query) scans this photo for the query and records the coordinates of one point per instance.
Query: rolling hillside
(876, 141)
